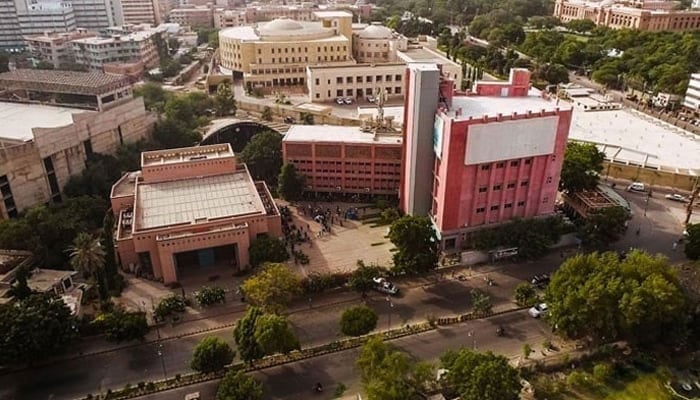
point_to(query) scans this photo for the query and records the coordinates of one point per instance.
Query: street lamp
(162, 362)
(472, 334)
(391, 305)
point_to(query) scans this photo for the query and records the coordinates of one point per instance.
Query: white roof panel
(19, 119)
(337, 134)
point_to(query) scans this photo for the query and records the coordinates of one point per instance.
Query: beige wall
(325, 84)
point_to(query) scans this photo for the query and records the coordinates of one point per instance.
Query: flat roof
(367, 66)
(43, 280)
(73, 82)
(632, 137)
(18, 119)
(332, 14)
(338, 134)
(478, 106)
(424, 55)
(188, 200)
(185, 154)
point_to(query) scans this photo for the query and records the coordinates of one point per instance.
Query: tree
(110, 261)
(244, 335)
(272, 288)
(358, 320)
(602, 297)
(209, 295)
(154, 96)
(88, 256)
(263, 156)
(173, 133)
(211, 355)
(480, 376)
(692, 242)
(236, 385)
(96, 179)
(264, 249)
(306, 118)
(581, 25)
(389, 374)
(481, 302)
(119, 325)
(416, 244)
(604, 227)
(583, 163)
(362, 277)
(525, 295)
(224, 102)
(266, 114)
(291, 183)
(37, 327)
(274, 335)
(532, 236)
(20, 289)
(552, 73)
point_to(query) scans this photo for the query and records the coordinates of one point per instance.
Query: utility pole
(693, 195)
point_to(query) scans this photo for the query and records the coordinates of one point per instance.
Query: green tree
(32, 329)
(272, 288)
(581, 25)
(274, 335)
(416, 244)
(291, 183)
(224, 102)
(692, 242)
(263, 156)
(583, 163)
(306, 118)
(266, 114)
(213, 40)
(96, 179)
(604, 227)
(358, 320)
(211, 355)
(88, 256)
(154, 96)
(597, 295)
(210, 295)
(174, 133)
(552, 73)
(481, 302)
(244, 335)
(119, 325)
(362, 277)
(236, 385)
(111, 272)
(525, 295)
(264, 249)
(44, 65)
(481, 376)
(20, 290)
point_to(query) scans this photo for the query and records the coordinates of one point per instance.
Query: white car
(636, 187)
(370, 99)
(676, 197)
(538, 310)
(384, 286)
(348, 100)
(339, 101)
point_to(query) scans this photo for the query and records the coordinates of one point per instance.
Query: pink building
(496, 155)
(189, 208)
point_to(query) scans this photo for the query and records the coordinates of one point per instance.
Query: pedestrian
(675, 245)
(638, 230)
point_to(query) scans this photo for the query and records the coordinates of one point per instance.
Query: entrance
(205, 260)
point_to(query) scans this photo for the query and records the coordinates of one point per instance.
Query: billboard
(438, 128)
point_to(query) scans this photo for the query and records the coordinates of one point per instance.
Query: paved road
(295, 381)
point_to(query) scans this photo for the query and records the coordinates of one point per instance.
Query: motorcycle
(500, 331)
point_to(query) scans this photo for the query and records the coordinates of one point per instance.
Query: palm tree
(88, 256)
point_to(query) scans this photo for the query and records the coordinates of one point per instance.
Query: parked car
(339, 100)
(538, 310)
(384, 286)
(636, 187)
(370, 99)
(676, 197)
(348, 100)
(540, 280)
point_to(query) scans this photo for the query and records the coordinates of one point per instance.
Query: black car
(540, 280)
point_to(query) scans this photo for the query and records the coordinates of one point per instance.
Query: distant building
(137, 12)
(655, 16)
(55, 48)
(47, 16)
(193, 16)
(188, 208)
(125, 45)
(344, 159)
(94, 14)
(478, 160)
(692, 94)
(355, 81)
(71, 115)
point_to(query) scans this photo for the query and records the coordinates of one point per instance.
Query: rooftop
(632, 137)
(9, 259)
(184, 154)
(423, 55)
(18, 120)
(73, 82)
(478, 106)
(43, 280)
(191, 200)
(337, 134)
(332, 14)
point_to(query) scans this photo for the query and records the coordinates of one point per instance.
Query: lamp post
(391, 305)
(162, 361)
(472, 334)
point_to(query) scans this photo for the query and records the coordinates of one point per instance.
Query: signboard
(438, 128)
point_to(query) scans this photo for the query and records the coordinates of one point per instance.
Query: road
(296, 381)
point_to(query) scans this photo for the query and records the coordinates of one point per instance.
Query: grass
(580, 38)
(647, 386)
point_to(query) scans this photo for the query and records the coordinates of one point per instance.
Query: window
(514, 163)
(485, 167)
(339, 79)
(450, 243)
(495, 208)
(549, 179)
(259, 51)
(545, 200)
(388, 90)
(397, 77)
(318, 95)
(500, 165)
(496, 187)
(348, 79)
(397, 90)
(480, 210)
(521, 204)
(523, 183)
(483, 189)
(317, 82)
(87, 145)
(528, 161)
(378, 78)
(508, 205)
(510, 185)
(388, 78)
(358, 79)
(339, 92)
(369, 79)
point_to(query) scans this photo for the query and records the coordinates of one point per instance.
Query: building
(94, 14)
(692, 94)
(483, 158)
(55, 48)
(193, 16)
(326, 83)
(585, 203)
(128, 12)
(46, 16)
(42, 145)
(224, 18)
(187, 208)
(10, 34)
(276, 53)
(344, 159)
(124, 45)
(652, 16)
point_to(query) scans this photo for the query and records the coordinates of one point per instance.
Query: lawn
(648, 386)
(580, 38)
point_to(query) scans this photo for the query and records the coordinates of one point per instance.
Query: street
(297, 380)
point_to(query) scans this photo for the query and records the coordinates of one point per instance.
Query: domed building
(276, 53)
(376, 44)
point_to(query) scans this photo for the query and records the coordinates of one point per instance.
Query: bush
(603, 371)
(532, 236)
(265, 249)
(357, 321)
(318, 283)
(525, 295)
(207, 296)
(169, 306)
(578, 379)
(121, 326)
(211, 355)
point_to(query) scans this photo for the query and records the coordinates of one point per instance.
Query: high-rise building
(136, 12)
(10, 34)
(46, 16)
(692, 94)
(476, 160)
(94, 14)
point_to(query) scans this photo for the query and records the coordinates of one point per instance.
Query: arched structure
(235, 132)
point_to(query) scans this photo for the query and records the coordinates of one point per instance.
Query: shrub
(318, 283)
(207, 295)
(211, 355)
(525, 295)
(603, 371)
(578, 379)
(121, 326)
(169, 306)
(357, 321)
(527, 349)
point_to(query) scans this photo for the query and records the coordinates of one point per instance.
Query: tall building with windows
(136, 12)
(55, 48)
(478, 160)
(692, 94)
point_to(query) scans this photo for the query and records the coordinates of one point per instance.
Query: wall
(323, 83)
(656, 178)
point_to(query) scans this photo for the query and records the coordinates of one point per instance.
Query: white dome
(282, 24)
(375, 32)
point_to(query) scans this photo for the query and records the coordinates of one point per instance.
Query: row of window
(361, 79)
(306, 49)
(481, 210)
(502, 164)
(499, 186)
